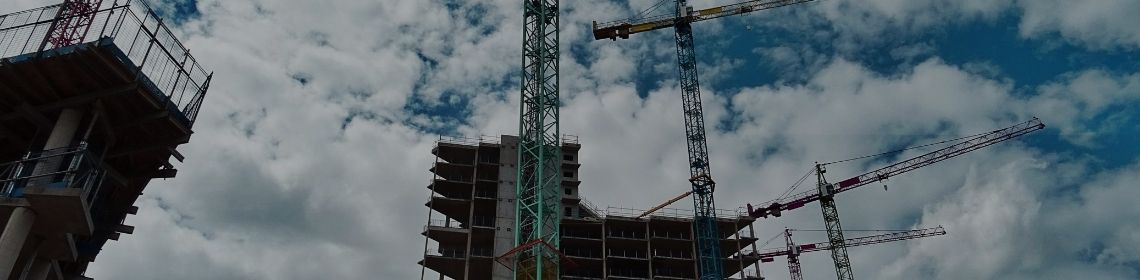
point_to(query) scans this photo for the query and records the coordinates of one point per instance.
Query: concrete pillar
(64, 129)
(61, 135)
(39, 270)
(13, 238)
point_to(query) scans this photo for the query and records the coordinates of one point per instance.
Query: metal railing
(676, 254)
(586, 234)
(468, 141)
(482, 252)
(444, 223)
(486, 194)
(446, 252)
(68, 167)
(159, 60)
(627, 234)
(570, 139)
(483, 221)
(670, 235)
(589, 206)
(582, 253)
(626, 253)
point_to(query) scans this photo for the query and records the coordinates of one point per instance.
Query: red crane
(793, 251)
(825, 192)
(73, 22)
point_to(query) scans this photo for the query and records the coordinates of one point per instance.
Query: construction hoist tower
(538, 199)
(700, 177)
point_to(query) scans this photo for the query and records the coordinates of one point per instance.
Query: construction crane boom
(792, 251)
(623, 28)
(700, 177)
(856, 241)
(825, 192)
(775, 207)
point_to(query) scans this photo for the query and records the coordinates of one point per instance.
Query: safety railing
(581, 253)
(485, 194)
(483, 221)
(627, 234)
(68, 167)
(670, 235)
(482, 252)
(446, 252)
(626, 253)
(583, 234)
(570, 139)
(160, 60)
(444, 223)
(468, 141)
(676, 254)
(589, 206)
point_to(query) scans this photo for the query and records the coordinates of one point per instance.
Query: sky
(310, 156)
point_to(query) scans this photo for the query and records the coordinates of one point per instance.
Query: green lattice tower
(538, 199)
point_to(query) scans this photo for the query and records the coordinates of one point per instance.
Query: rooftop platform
(139, 90)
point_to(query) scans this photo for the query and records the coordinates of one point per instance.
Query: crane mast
(700, 176)
(74, 20)
(536, 255)
(825, 192)
(834, 228)
(704, 218)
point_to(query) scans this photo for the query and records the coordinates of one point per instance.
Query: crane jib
(977, 142)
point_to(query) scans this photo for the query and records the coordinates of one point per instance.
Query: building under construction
(95, 98)
(472, 209)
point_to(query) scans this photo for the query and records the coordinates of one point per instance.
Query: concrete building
(471, 215)
(94, 102)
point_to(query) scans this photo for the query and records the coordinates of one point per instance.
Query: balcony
(60, 184)
(127, 33)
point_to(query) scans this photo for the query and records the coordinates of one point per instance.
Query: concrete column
(39, 270)
(64, 129)
(61, 135)
(13, 238)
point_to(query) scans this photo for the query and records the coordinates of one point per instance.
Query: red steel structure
(793, 251)
(74, 20)
(825, 192)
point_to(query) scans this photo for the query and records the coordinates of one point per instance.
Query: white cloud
(1088, 104)
(1098, 24)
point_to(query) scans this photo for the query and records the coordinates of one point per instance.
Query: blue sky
(310, 157)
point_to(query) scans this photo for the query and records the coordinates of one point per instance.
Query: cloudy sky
(310, 158)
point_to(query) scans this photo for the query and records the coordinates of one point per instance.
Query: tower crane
(536, 254)
(708, 244)
(793, 251)
(825, 192)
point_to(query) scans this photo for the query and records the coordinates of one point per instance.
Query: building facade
(471, 215)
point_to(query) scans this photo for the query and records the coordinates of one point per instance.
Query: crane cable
(796, 185)
(772, 239)
(910, 148)
(642, 14)
(846, 230)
